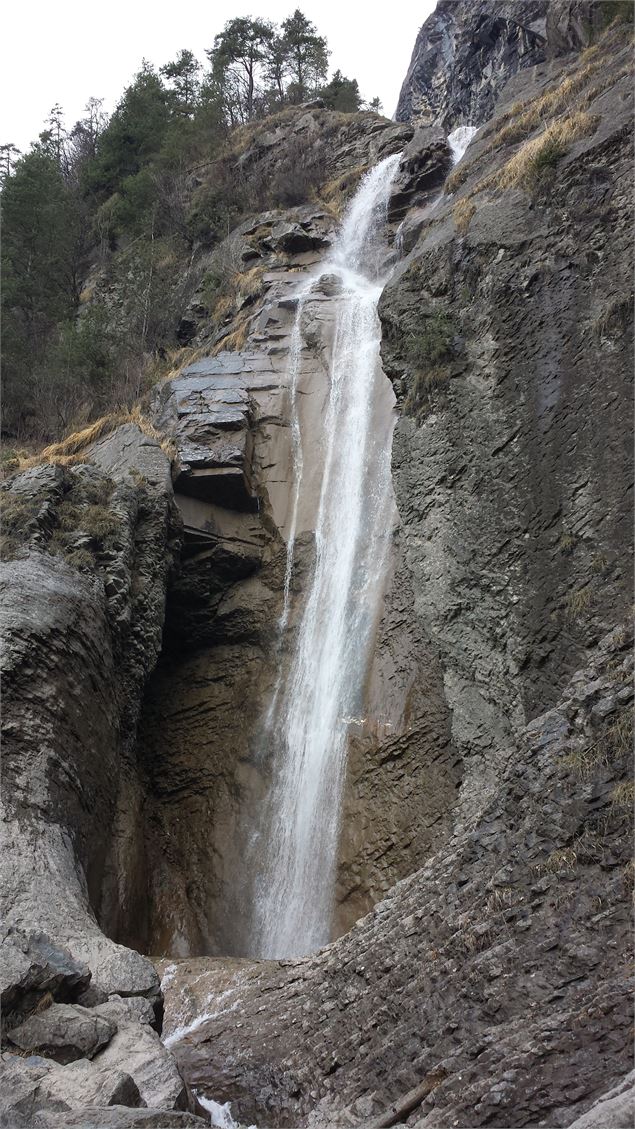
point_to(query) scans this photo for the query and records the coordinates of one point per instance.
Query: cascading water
(314, 702)
(459, 140)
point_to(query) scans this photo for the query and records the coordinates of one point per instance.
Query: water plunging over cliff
(314, 703)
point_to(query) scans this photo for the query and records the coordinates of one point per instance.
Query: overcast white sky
(69, 51)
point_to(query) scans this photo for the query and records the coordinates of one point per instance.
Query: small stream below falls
(317, 698)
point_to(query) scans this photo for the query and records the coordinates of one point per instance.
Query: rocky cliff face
(487, 812)
(466, 53)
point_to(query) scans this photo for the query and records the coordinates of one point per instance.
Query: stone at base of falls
(63, 1032)
(117, 1118)
(134, 1069)
(31, 967)
(103, 1117)
(32, 1085)
(138, 1049)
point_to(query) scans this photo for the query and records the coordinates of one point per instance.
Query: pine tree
(9, 154)
(341, 94)
(42, 249)
(277, 69)
(133, 135)
(183, 74)
(307, 55)
(236, 57)
(53, 138)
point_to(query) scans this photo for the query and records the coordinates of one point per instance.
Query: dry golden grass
(462, 213)
(72, 449)
(249, 283)
(524, 117)
(623, 795)
(222, 307)
(234, 341)
(572, 95)
(578, 601)
(526, 167)
(616, 742)
(557, 861)
(69, 450)
(335, 193)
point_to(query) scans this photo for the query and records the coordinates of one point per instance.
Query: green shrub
(18, 518)
(428, 350)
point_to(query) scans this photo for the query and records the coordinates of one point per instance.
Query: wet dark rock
(424, 166)
(490, 983)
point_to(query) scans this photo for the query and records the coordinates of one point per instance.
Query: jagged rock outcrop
(85, 597)
(467, 51)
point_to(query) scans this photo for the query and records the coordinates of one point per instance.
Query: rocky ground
(480, 971)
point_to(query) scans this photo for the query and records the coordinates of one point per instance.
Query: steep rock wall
(82, 605)
(202, 728)
(467, 51)
(491, 986)
(512, 465)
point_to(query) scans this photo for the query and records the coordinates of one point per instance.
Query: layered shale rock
(83, 603)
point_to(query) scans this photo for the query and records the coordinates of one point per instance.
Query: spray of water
(459, 140)
(313, 703)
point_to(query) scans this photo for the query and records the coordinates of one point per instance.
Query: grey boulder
(32, 966)
(64, 1032)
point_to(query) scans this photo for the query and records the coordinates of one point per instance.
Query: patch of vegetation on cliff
(527, 168)
(19, 515)
(428, 351)
(85, 524)
(462, 214)
(613, 743)
(73, 448)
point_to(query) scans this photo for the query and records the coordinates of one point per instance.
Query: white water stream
(459, 140)
(316, 700)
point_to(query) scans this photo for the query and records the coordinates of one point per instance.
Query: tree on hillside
(42, 250)
(276, 70)
(9, 154)
(133, 135)
(341, 94)
(183, 74)
(307, 55)
(52, 138)
(81, 143)
(236, 57)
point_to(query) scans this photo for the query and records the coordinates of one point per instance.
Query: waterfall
(315, 701)
(459, 140)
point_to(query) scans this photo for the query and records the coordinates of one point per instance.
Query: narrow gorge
(317, 666)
